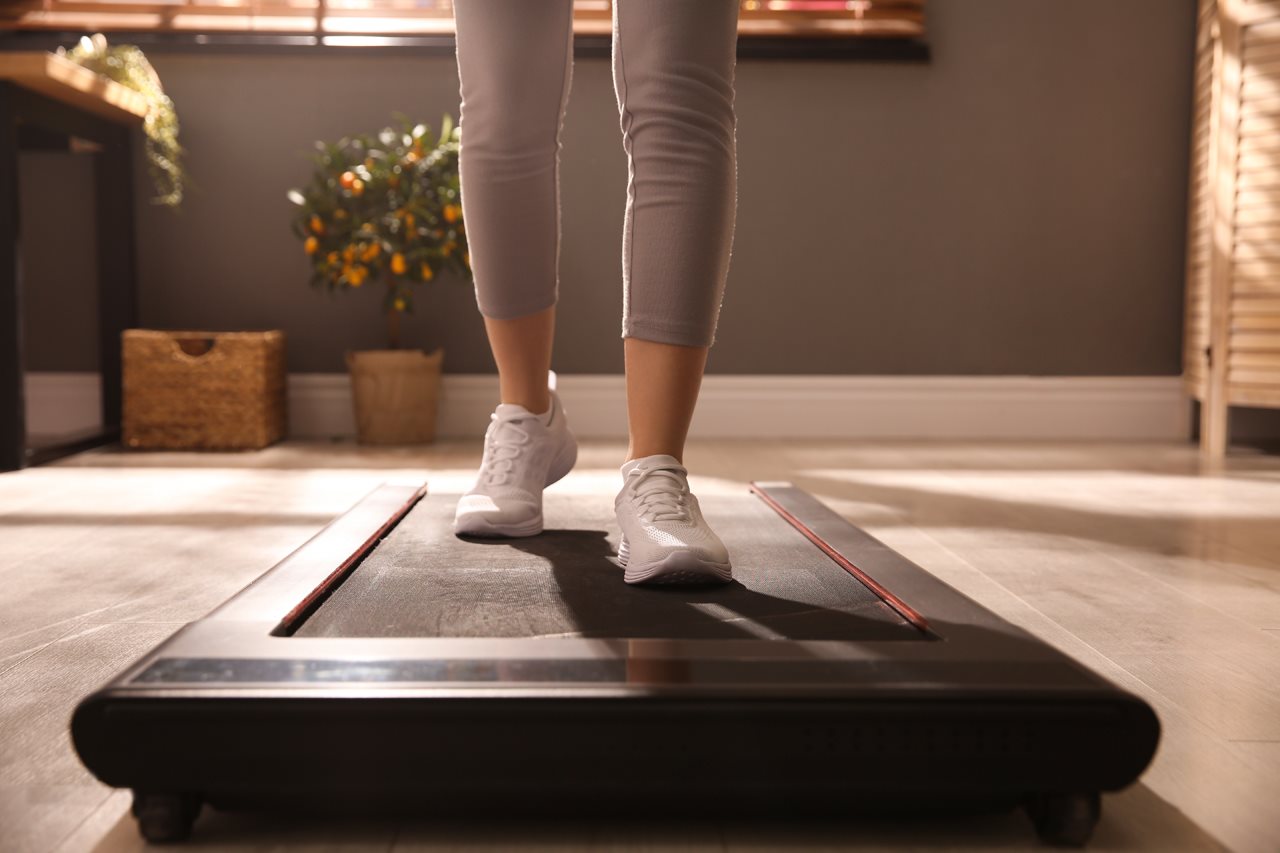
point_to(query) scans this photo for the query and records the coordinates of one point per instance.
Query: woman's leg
(515, 67)
(674, 64)
(522, 350)
(662, 390)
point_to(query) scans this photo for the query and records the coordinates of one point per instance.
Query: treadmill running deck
(424, 581)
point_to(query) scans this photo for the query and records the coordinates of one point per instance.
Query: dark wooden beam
(117, 262)
(13, 411)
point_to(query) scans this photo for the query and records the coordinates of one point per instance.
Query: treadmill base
(1061, 820)
(387, 666)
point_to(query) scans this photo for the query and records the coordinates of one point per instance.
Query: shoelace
(664, 500)
(507, 435)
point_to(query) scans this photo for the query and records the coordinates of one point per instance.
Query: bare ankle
(631, 454)
(539, 406)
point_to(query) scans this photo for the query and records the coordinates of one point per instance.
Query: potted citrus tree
(383, 212)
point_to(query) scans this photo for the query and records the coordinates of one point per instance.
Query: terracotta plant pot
(396, 394)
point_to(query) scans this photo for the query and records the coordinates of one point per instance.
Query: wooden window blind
(825, 18)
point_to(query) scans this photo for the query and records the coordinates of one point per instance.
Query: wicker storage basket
(203, 390)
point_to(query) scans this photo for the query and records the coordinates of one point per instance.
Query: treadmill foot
(1065, 820)
(166, 817)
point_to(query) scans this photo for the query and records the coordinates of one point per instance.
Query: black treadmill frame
(234, 710)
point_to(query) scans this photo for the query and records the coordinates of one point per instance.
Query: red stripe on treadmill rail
(903, 609)
(303, 608)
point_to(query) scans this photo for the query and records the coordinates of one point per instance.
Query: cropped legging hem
(674, 63)
(682, 334)
(515, 310)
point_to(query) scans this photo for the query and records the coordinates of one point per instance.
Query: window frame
(592, 35)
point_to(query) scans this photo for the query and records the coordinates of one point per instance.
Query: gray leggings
(673, 75)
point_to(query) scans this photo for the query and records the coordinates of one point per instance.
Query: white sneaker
(524, 452)
(665, 539)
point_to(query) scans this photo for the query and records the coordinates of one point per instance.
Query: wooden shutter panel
(1200, 214)
(1232, 332)
(1253, 369)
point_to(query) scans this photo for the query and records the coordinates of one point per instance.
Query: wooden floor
(1131, 559)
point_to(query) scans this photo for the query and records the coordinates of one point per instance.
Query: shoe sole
(679, 568)
(479, 526)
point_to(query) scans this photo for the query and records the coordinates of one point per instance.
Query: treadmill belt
(422, 580)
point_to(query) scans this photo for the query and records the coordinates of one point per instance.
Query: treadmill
(390, 664)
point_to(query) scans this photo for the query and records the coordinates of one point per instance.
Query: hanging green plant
(126, 64)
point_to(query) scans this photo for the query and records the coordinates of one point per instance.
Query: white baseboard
(62, 403)
(829, 407)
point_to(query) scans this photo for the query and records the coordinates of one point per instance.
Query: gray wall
(1016, 206)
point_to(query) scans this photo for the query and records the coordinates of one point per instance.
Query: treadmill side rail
(283, 595)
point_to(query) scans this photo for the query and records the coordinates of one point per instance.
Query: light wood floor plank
(1125, 556)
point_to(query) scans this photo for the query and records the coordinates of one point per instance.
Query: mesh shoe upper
(519, 449)
(666, 514)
